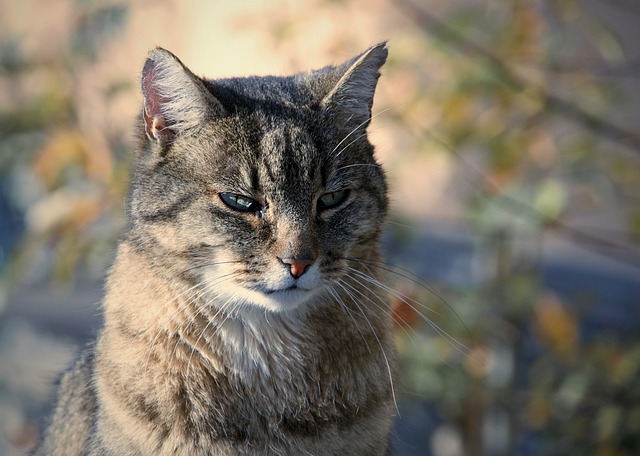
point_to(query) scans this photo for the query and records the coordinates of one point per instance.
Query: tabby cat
(240, 316)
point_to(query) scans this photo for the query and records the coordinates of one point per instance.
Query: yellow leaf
(557, 327)
(62, 148)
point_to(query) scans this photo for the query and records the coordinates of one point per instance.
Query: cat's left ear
(175, 100)
(349, 101)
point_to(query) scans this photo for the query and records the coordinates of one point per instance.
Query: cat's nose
(297, 267)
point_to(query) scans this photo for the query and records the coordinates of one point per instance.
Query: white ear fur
(176, 101)
(351, 98)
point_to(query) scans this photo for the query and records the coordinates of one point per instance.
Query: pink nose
(297, 267)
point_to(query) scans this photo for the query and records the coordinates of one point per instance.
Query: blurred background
(510, 133)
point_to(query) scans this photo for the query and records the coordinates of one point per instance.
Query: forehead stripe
(170, 211)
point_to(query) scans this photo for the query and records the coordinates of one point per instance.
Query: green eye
(333, 199)
(240, 202)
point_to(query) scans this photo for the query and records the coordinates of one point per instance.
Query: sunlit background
(510, 131)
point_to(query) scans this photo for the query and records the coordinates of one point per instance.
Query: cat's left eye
(240, 202)
(332, 199)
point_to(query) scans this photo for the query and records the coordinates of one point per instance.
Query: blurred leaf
(634, 224)
(405, 314)
(520, 292)
(558, 328)
(608, 421)
(551, 199)
(12, 60)
(606, 42)
(67, 209)
(504, 160)
(539, 411)
(118, 87)
(95, 27)
(456, 109)
(53, 107)
(62, 149)
(570, 393)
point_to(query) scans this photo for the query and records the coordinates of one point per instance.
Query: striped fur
(211, 346)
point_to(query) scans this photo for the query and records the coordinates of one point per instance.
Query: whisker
(410, 276)
(208, 264)
(363, 135)
(188, 297)
(358, 126)
(358, 164)
(199, 310)
(455, 343)
(356, 139)
(343, 306)
(381, 306)
(194, 346)
(384, 355)
(384, 303)
(392, 291)
(168, 317)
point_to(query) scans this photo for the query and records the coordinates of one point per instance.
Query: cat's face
(272, 192)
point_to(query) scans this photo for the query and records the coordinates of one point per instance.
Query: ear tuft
(154, 117)
(351, 98)
(175, 100)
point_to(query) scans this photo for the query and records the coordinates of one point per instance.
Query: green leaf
(634, 224)
(551, 199)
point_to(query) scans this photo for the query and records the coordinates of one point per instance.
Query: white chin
(275, 301)
(282, 301)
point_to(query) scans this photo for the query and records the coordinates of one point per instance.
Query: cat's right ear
(350, 98)
(175, 100)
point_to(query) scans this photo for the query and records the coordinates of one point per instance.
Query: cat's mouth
(284, 290)
(281, 299)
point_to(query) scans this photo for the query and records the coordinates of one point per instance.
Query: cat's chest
(247, 382)
(276, 367)
(292, 391)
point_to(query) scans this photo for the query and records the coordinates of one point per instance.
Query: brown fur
(210, 345)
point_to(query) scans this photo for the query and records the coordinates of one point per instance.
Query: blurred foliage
(525, 98)
(61, 163)
(541, 139)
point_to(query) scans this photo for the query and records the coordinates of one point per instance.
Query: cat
(240, 315)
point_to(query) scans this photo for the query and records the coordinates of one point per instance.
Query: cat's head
(264, 191)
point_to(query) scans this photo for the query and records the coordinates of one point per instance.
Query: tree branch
(617, 251)
(568, 109)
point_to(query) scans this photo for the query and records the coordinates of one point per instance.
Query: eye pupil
(240, 202)
(332, 199)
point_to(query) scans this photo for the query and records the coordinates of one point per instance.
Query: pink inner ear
(155, 123)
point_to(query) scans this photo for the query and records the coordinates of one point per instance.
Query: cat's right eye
(332, 199)
(240, 202)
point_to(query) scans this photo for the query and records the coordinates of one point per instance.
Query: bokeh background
(510, 133)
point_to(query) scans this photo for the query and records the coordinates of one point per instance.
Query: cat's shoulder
(74, 416)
